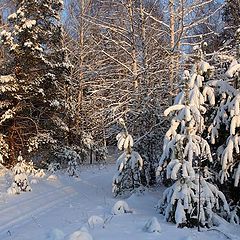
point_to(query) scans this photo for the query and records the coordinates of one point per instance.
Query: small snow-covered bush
(101, 154)
(121, 207)
(14, 189)
(152, 225)
(53, 167)
(95, 221)
(34, 181)
(40, 173)
(82, 234)
(128, 178)
(29, 168)
(73, 169)
(129, 166)
(20, 181)
(66, 154)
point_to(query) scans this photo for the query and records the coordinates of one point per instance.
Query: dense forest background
(74, 74)
(127, 58)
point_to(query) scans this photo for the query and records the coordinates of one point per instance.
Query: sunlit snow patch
(52, 177)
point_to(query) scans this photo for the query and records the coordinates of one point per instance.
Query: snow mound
(80, 235)
(188, 238)
(3, 170)
(95, 221)
(40, 173)
(218, 221)
(120, 207)
(55, 234)
(152, 225)
(34, 181)
(13, 189)
(52, 177)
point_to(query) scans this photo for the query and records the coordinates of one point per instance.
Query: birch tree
(123, 65)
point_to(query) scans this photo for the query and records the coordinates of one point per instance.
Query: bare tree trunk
(81, 59)
(133, 43)
(143, 48)
(172, 44)
(237, 78)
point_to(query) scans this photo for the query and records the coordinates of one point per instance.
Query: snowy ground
(60, 207)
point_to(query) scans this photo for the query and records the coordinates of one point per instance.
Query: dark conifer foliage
(37, 84)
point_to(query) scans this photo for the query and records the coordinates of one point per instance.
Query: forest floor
(56, 208)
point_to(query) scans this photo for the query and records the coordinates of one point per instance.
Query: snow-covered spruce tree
(20, 181)
(226, 121)
(191, 200)
(225, 125)
(35, 91)
(127, 179)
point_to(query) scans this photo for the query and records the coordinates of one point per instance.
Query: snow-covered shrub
(94, 221)
(34, 181)
(73, 169)
(29, 168)
(128, 178)
(82, 234)
(101, 154)
(129, 166)
(186, 154)
(40, 173)
(121, 207)
(152, 225)
(53, 167)
(14, 189)
(66, 154)
(70, 157)
(20, 181)
(235, 215)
